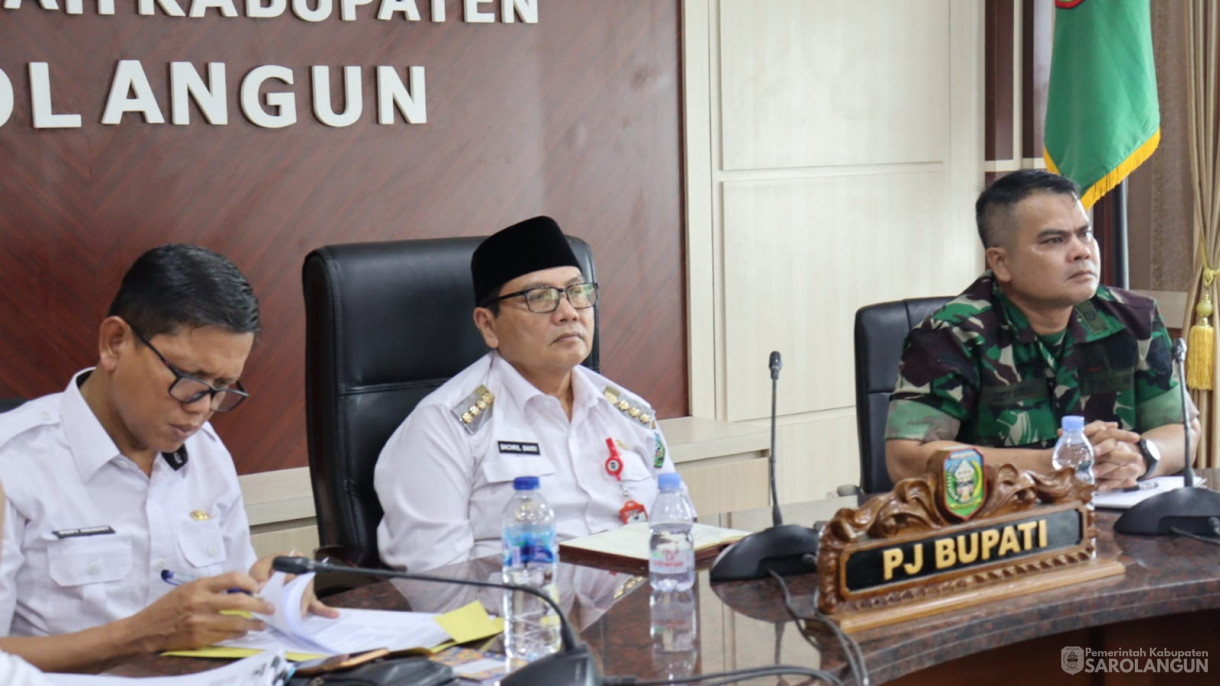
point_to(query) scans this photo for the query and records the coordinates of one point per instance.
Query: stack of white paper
(264, 669)
(1121, 500)
(352, 631)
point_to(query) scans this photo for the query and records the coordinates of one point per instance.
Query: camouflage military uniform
(976, 372)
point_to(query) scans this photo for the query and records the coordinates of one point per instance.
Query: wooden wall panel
(1036, 40)
(998, 85)
(576, 116)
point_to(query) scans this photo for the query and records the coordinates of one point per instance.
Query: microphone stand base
(1191, 509)
(575, 667)
(786, 549)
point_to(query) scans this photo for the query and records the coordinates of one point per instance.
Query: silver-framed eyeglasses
(545, 299)
(188, 389)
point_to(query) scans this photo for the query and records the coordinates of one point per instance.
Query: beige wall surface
(834, 150)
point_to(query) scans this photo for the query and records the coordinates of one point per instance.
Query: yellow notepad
(468, 623)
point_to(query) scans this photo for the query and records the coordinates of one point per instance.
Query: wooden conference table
(1169, 598)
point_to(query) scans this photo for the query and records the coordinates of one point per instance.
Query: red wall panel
(577, 116)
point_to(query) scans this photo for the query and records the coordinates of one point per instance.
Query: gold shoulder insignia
(631, 406)
(474, 409)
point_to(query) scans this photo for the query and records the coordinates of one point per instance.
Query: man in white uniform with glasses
(526, 408)
(125, 531)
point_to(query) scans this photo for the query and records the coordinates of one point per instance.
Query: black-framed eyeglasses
(188, 389)
(545, 299)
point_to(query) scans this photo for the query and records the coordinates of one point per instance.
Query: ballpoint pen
(169, 577)
(1141, 486)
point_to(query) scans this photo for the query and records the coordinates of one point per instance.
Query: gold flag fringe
(1115, 176)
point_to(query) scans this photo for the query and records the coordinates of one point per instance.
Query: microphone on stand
(784, 548)
(573, 665)
(1188, 509)
(775, 364)
(1179, 358)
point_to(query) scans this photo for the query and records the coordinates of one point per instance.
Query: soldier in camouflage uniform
(1034, 339)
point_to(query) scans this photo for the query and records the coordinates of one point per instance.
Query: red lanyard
(631, 511)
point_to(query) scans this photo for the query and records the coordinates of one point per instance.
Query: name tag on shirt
(82, 532)
(517, 448)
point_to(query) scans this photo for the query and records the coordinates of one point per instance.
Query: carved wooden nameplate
(958, 535)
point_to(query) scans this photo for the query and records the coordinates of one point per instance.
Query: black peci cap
(528, 246)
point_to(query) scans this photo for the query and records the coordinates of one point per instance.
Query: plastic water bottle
(531, 555)
(674, 627)
(671, 547)
(1074, 449)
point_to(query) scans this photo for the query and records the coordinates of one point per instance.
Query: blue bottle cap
(669, 480)
(525, 483)
(1072, 422)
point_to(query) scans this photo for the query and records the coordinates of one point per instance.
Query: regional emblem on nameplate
(964, 487)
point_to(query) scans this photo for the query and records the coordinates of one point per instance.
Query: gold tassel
(1201, 351)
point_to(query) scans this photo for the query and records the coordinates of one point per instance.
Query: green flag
(1102, 118)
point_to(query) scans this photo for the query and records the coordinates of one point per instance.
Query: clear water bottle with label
(531, 555)
(674, 628)
(1074, 449)
(671, 547)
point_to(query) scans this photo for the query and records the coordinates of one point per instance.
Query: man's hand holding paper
(309, 603)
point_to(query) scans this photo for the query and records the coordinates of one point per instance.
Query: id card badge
(632, 512)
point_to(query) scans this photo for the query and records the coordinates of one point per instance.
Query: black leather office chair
(385, 325)
(880, 332)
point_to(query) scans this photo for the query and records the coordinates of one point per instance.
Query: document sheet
(264, 669)
(353, 630)
(1121, 500)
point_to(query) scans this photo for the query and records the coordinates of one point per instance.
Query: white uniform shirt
(444, 488)
(17, 672)
(86, 533)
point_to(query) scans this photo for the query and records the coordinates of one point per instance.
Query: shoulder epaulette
(631, 406)
(474, 409)
(22, 419)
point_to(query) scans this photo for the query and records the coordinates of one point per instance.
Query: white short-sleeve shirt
(17, 672)
(444, 481)
(87, 533)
